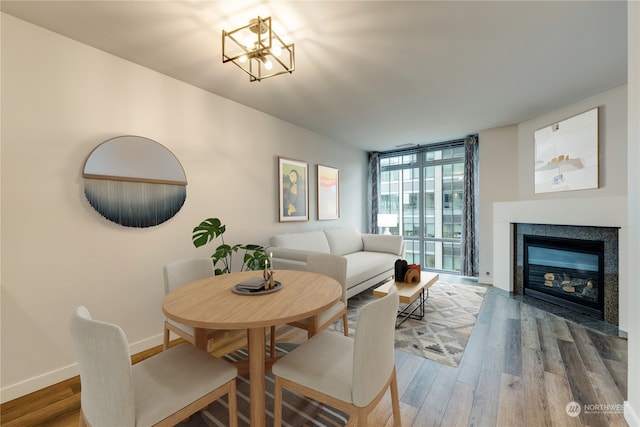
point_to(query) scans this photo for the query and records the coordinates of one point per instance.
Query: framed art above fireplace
(566, 154)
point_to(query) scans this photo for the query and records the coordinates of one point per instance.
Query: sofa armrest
(383, 243)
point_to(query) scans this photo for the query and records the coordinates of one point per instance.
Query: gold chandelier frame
(257, 50)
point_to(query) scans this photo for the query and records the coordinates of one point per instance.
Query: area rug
(442, 335)
(296, 410)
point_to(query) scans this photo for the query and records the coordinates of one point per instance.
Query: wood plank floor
(522, 366)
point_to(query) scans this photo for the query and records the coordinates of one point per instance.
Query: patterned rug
(442, 335)
(296, 410)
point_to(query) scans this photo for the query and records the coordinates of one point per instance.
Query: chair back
(330, 265)
(374, 352)
(106, 377)
(183, 271)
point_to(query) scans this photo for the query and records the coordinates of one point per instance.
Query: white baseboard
(630, 415)
(30, 385)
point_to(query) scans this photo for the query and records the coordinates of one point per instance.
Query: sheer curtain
(469, 244)
(374, 166)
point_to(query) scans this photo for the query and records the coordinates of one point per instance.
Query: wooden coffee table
(409, 293)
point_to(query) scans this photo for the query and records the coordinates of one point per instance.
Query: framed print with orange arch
(328, 181)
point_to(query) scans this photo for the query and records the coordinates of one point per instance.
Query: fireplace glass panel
(566, 272)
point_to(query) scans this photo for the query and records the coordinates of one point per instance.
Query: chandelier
(258, 50)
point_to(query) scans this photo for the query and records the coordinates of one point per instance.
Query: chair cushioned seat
(163, 385)
(324, 363)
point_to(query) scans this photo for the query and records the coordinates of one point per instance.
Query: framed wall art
(566, 154)
(134, 181)
(293, 189)
(328, 182)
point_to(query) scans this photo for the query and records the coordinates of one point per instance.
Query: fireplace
(566, 272)
(573, 217)
(606, 281)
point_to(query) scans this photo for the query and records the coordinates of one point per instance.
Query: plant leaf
(221, 252)
(208, 230)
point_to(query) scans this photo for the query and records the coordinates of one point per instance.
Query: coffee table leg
(409, 314)
(256, 376)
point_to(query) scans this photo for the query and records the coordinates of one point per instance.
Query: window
(424, 188)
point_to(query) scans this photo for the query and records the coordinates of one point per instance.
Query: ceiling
(374, 74)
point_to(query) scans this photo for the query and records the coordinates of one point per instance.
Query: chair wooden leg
(395, 401)
(165, 341)
(345, 323)
(233, 405)
(363, 417)
(277, 403)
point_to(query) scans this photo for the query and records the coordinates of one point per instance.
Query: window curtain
(374, 167)
(469, 247)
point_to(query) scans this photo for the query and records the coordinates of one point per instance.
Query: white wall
(60, 99)
(497, 146)
(632, 413)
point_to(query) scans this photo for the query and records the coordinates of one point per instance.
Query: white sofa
(370, 257)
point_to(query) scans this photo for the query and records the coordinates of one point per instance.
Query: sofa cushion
(362, 266)
(344, 241)
(382, 243)
(315, 241)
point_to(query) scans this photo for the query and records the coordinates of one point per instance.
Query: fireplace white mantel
(595, 212)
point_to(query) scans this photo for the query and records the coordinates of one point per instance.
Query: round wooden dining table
(211, 303)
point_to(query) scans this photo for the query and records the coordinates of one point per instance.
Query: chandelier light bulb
(268, 64)
(243, 58)
(276, 50)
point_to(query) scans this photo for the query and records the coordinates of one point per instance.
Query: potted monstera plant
(253, 256)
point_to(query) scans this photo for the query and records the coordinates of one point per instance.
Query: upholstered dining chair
(176, 274)
(335, 267)
(350, 374)
(161, 390)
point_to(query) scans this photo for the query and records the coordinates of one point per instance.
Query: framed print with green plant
(328, 180)
(293, 189)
